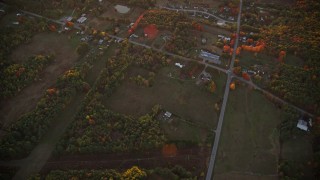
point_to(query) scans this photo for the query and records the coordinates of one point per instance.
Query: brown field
(44, 44)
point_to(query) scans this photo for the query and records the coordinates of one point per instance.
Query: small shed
(303, 125)
(167, 114)
(178, 65)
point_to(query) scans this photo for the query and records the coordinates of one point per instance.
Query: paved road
(194, 10)
(224, 103)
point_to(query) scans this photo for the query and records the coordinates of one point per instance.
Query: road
(224, 103)
(194, 10)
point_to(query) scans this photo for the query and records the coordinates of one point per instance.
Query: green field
(249, 145)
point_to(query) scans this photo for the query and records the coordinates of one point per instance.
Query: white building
(179, 65)
(303, 125)
(81, 20)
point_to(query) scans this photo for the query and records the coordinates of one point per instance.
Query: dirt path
(188, 157)
(38, 157)
(26, 100)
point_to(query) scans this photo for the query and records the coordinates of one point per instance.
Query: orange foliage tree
(282, 54)
(246, 76)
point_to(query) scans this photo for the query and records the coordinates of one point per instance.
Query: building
(210, 57)
(221, 23)
(179, 65)
(303, 125)
(167, 114)
(81, 20)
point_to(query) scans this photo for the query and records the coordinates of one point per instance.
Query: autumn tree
(134, 173)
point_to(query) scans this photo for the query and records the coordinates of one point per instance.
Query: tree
(83, 48)
(134, 173)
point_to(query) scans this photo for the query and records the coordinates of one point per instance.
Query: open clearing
(181, 97)
(44, 44)
(249, 145)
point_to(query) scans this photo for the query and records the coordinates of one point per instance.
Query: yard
(181, 97)
(249, 146)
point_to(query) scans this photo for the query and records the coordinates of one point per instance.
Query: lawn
(299, 154)
(249, 145)
(181, 97)
(248, 59)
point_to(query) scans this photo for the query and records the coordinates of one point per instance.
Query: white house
(179, 65)
(303, 125)
(81, 20)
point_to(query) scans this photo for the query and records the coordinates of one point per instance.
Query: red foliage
(282, 54)
(151, 31)
(52, 28)
(69, 24)
(246, 76)
(226, 48)
(169, 150)
(238, 51)
(232, 42)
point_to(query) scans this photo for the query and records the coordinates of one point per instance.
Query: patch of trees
(149, 59)
(97, 129)
(83, 48)
(287, 33)
(176, 172)
(141, 81)
(165, 19)
(17, 76)
(298, 85)
(288, 126)
(24, 134)
(11, 37)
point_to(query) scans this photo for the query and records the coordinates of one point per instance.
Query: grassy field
(249, 145)
(248, 59)
(299, 154)
(181, 97)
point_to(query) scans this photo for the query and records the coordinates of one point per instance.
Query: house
(221, 23)
(69, 18)
(303, 125)
(81, 20)
(167, 114)
(179, 65)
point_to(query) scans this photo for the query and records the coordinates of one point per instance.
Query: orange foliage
(51, 91)
(238, 51)
(258, 48)
(226, 48)
(232, 42)
(232, 86)
(69, 24)
(231, 51)
(169, 150)
(282, 54)
(52, 28)
(249, 40)
(245, 76)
